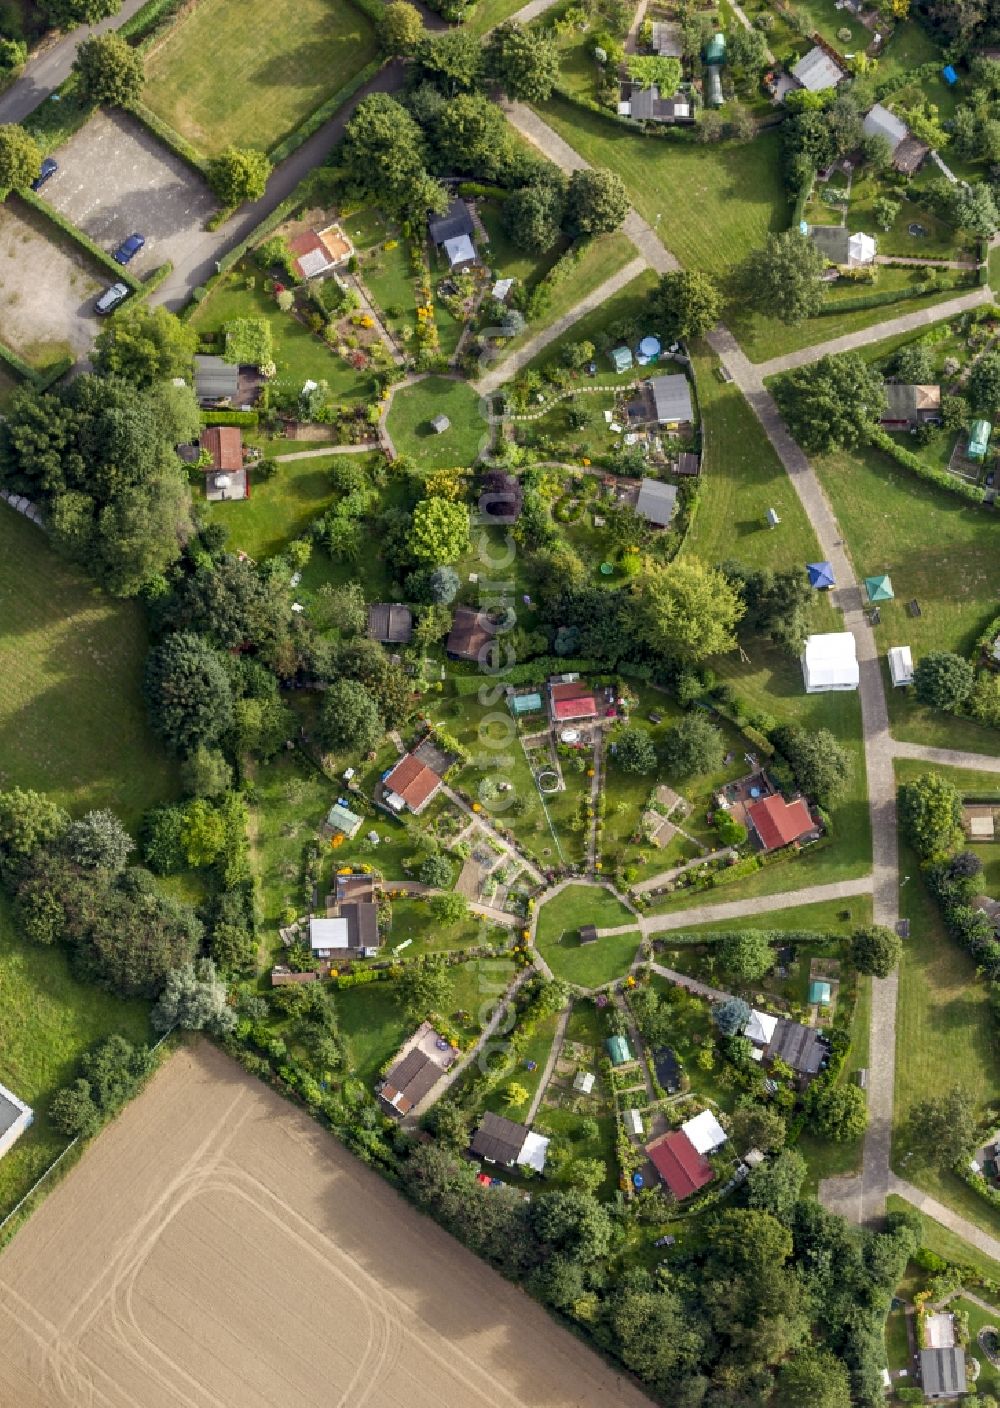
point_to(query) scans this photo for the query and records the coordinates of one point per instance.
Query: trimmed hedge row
(43, 380)
(17, 364)
(880, 300)
(164, 133)
(145, 25)
(95, 251)
(325, 111)
(715, 936)
(230, 417)
(150, 285)
(908, 460)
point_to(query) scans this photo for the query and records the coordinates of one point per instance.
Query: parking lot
(115, 178)
(47, 289)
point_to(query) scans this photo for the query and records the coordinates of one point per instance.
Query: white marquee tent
(705, 1132)
(830, 662)
(900, 665)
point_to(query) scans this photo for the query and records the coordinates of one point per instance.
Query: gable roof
(778, 823)
(572, 701)
(798, 1046)
(310, 254)
(499, 1140)
(880, 122)
(412, 780)
(456, 221)
(705, 1132)
(679, 1164)
(390, 623)
(409, 1080)
(760, 1027)
(362, 923)
(656, 502)
(215, 378)
(906, 402)
(672, 398)
(817, 70)
(225, 445)
(471, 631)
(942, 1371)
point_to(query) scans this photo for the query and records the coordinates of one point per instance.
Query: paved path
(946, 757)
(907, 322)
(550, 1064)
(961, 1226)
(749, 908)
(50, 65)
(681, 980)
(657, 882)
(909, 262)
(328, 450)
(511, 365)
(494, 915)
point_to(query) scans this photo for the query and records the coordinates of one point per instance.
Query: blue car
(129, 248)
(49, 168)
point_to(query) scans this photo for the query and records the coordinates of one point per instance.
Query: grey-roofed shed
(215, 379)
(798, 1046)
(656, 502)
(498, 1140)
(942, 1372)
(880, 122)
(672, 399)
(817, 70)
(456, 221)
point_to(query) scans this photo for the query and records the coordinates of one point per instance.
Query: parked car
(129, 248)
(49, 168)
(111, 298)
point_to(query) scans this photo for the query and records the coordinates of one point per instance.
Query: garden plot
(115, 178)
(47, 290)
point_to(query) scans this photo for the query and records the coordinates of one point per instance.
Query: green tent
(820, 992)
(879, 588)
(979, 437)
(715, 50)
(618, 1050)
(526, 704)
(621, 359)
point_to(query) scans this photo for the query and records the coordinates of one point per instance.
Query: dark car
(129, 248)
(49, 168)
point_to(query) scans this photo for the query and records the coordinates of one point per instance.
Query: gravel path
(756, 907)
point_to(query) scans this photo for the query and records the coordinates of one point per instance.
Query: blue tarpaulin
(820, 575)
(949, 75)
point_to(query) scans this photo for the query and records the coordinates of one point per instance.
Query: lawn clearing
(938, 550)
(939, 1239)
(557, 936)
(630, 303)
(72, 718)
(536, 1050)
(48, 1020)
(374, 1026)
(823, 918)
(247, 73)
(710, 205)
(409, 423)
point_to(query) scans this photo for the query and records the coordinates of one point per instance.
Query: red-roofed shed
(779, 823)
(572, 701)
(412, 782)
(679, 1164)
(225, 445)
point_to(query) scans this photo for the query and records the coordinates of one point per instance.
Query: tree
(775, 1187)
(692, 747)
(813, 1376)
(449, 908)
(731, 1016)
(400, 28)
(194, 998)
(634, 751)
(747, 954)
(28, 821)
(833, 403)
(596, 203)
(437, 872)
(515, 1095)
(783, 279)
(471, 134)
(686, 304)
(758, 1127)
(532, 216)
(98, 841)
(188, 693)
(930, 813)
(572, 1222)
(444, 585)
(146, 345)
(840, 1112)
(439, 531)
(73, 1111)
(943, 680)
(424, 988)
(876, 950)
(525, 62)
(234, 950)
(239, 174)
(205, 773)
(67, 14)
(202, 833)
(984, 383)
(746, 53)
(350, 720)
(383, 154)
(111, 71)
(974, 209)
(587, 1174)
(453, 61)
(820, 766)
(914, 364)
(941, 1128)
(687, 610)
(20, 158)
(885, 211)
(778, 604)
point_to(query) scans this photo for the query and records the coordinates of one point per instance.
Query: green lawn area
(936, 549)
(299, 355)
(72, 717)
(505, 259)
(710, 205)
(823, 918)
(373, 1025)
(979, 1319)
(278, 509)
(630, 303)
(557, 936)
(413, 920)
(566, 1122)
(536, 1049)
(247, 74)
(47, 1021)
(487, 14)
(409, 423)
(939, 1239)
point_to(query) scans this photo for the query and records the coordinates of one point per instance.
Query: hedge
(325, 111)
(908, 460)
(146, 23)
(716, 936)
(483, 190)
(879, 300)
(150, 285)
(230, 417)
(17, 364)
(95, 251)
(799, 208)
(43, 380)
(164, 133)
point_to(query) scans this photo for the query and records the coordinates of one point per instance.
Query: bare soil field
(216, 1249)
(47, 289)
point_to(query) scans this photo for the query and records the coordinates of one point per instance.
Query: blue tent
(820, 575)
(949, 75)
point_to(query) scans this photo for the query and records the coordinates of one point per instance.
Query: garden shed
(760, 1027)
(679, 1164)
(656, 502)
(583, 1081)
(672, 399)
(830, 662)
(342, 821)
(705, 1132)
(521, 704)
(713, 86)
(588, 934)
(817, 70)
(391, 623)
(942, 1372)
(820, 992)
(621, 359)
(439, 424)
(979, 438)
(900, 665)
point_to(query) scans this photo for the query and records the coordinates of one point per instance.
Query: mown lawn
(979, 1319)
(710, 205)
(373, 1025)
(536, 1049)
(937, 550)
(72, 719)
(299, 355)
(945, 1243)
(557, 936)
(247, 73)
(409, 423)
(629, 304)
(47, 1021)
(823, 918)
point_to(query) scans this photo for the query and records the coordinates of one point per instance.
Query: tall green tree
(239, 174)
(687, 610)
(930, 813)
(188, 693)
(524, 62)
(350, 719)
(813, 1376)
(110, 71)
(876, 950)
(532, 215)
(383, 155)
(820, 766)
(452, 61)
(400, 28)
(840, 1112)
(20, 158)
(686, 304)
(692, 747)
(941, 1129)
(596, 203)
(471, 134)
(746, 954)
(67, 14)
(832, 404)
(782, 280)
(145, 345)
(943, 680)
